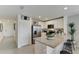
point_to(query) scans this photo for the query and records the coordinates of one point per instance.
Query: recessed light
(39, 16)
(65, 8)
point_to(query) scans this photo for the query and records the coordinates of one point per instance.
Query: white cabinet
(40, 48)
(60, 23)
(50, 50)
(55, 50)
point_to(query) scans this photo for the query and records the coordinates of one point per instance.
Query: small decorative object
(60, 31)
(35, 23)
(44, 30)
(50, 34)
(72, 30)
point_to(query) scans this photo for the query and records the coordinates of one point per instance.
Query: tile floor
(8, 46)
(7, 43)
(23, 50)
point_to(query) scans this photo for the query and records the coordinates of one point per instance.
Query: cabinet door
(50, 50)
(40, 48)
(60, 23)
(55, 50)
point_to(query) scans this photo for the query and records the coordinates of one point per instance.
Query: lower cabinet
(43, 49)
(50, 50)
(40, 48)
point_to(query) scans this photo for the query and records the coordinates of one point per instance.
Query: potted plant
(72, 30)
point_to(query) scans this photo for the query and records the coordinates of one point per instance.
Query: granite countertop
(54, 42)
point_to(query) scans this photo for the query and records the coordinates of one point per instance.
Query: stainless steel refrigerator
(36, 32)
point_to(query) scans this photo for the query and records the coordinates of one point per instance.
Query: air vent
(24, 17)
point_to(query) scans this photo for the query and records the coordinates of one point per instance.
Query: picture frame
(14, 26)
(1, 27)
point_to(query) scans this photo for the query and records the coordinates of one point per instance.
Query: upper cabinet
(59, 23)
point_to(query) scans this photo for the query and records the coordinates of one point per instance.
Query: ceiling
(45, 11)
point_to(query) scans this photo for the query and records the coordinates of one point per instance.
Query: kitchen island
(50, 46)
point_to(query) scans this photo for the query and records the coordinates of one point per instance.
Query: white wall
(65, 27)
(8, 28)
(24, 32)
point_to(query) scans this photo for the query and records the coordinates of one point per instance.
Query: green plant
(50, 33)
(72, 30)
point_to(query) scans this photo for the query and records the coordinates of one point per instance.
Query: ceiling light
(39, 16)
(65, 8)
